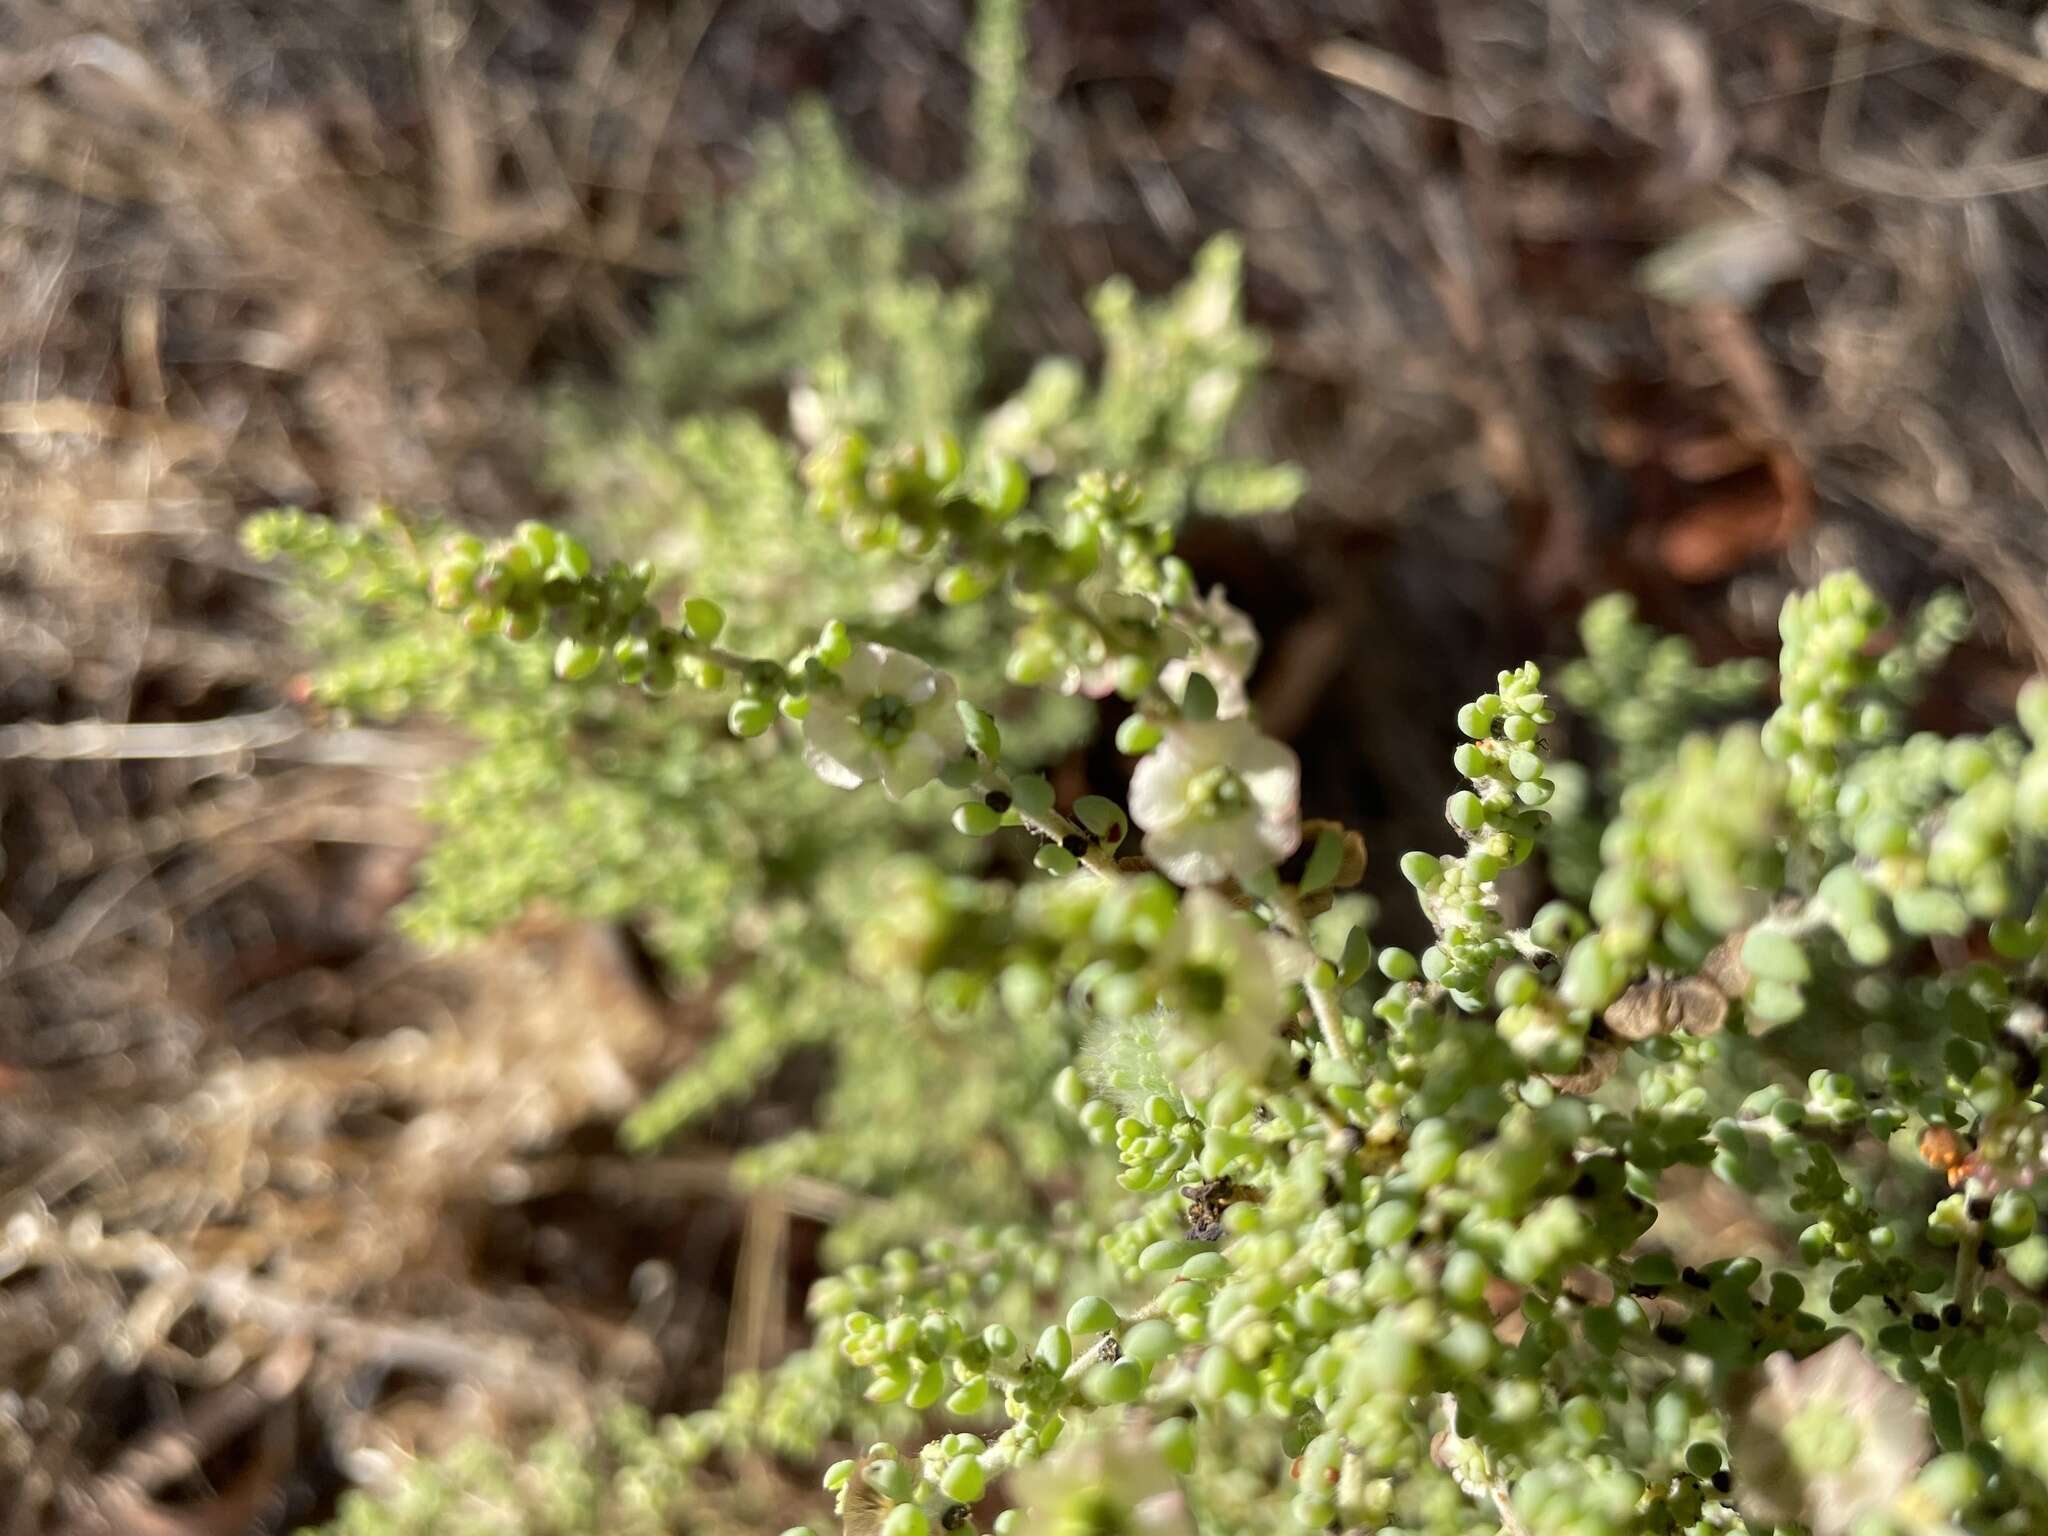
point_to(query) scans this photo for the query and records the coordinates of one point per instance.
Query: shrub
(1197, 1209)
(1382, 1245)
(748, 877)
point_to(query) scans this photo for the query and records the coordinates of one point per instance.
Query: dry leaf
(1661, 1005)
(1352, 869)
(1602, 1057)
(1723, 532)
(1724, 968)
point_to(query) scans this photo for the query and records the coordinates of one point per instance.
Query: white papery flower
(1216, 799)
(892, 718)
(1216, 974)
(1114, 1481)
(1827, 1440)
(1227, 648)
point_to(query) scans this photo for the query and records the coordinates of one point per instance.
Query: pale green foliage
(1282, 1310)
(1348, 1308)
(741, 871)
(715, 495)
(626, 1480)
(815, 266)
(607, 808)
(783, 275)
(1642, 689)
(996, 195)
(1173, 376)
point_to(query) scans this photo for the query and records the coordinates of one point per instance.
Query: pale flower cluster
(1227, 648)
(892, 719)
(1217, 800)
(1217, 974)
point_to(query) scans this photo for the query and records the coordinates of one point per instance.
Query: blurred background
(1696, 301)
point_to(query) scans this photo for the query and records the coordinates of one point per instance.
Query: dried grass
(264, 254)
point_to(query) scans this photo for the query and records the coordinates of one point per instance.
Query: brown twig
(280, 730)
(759, 1286)
(1960, 27)
(117, 740)
(1381, 74)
